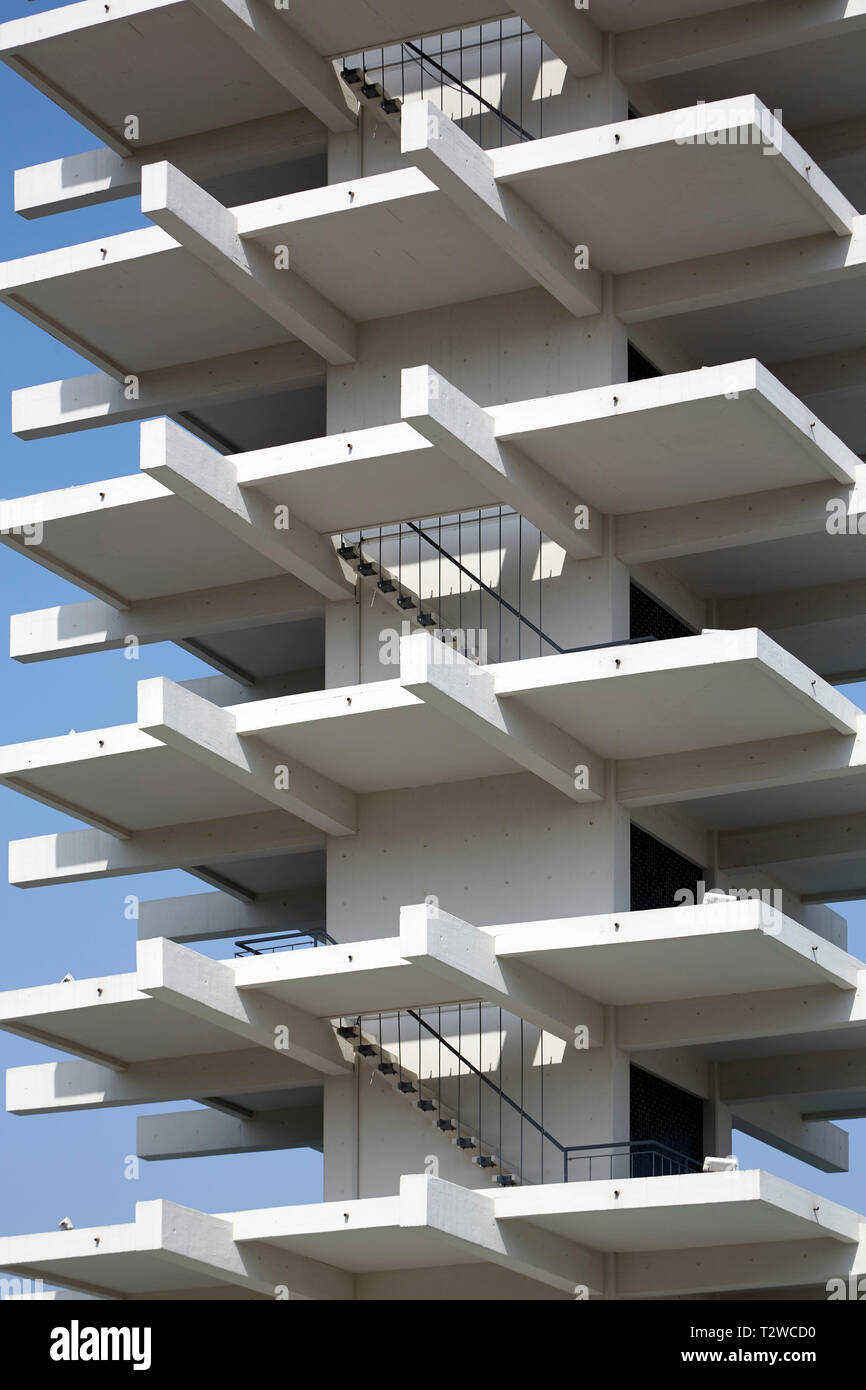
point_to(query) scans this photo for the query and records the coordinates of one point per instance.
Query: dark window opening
(658, 873)
(649, 618)
(664, 1114)
(639, 367)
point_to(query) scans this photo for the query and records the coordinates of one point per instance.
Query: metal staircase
(400, 1065)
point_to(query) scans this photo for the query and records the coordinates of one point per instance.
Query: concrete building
(501, 380)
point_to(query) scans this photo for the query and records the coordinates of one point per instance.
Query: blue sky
(74, 1165)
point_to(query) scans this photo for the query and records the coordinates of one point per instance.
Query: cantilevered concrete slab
(631, 448)
(355, 247)
(193, 521)
(554, 1235)
(647, 155)
(179, 1005)
(628, 448)
(683, 952)
(637, 449)
(740, 991)
(163, 546)
(212, 63)
(182, 68)
(446, 719)
(669, 55)
(643, 445)
(255, 1001)
(669, 1213)
(720, 684)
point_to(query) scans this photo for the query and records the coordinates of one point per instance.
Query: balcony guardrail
(422, 1052)
(282, 941)
(495, 79)
(630, 1158)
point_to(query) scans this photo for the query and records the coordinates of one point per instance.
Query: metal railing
(488, 77)
(295, 940)
(424, 1049)
(477, 578)
(630, 1158)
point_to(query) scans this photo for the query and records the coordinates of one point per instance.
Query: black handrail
(464, 87)
(521, 617)
(273, 943)
(630, 1147)
(486, 1079)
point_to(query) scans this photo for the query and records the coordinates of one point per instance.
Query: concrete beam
(837, 145)
(206, 1245)
(568, 31)
(103, 175)
(206, 1133)
(208, 231)
(735, 1268)
(739, 1018)
(826, 373)
(671, 777)
(724, 36)
(206, 733)
(468, 1221)
(467, 435)
(795, 608)
(88, 402)
(206, 989)
(738, 277)
(823, 1145)
(826, 837)
(463, 691)
(267, 36)
(215, 916)
(465, 173)
(768, 1081)
(55, 1086)
(75, 856)
(751, 519)
(460, 953)
(208, 482)
(73, 629)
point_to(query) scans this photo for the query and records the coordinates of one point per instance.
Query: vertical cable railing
(381, 1039)
(429, 570)
(448, 572)
(454, 68)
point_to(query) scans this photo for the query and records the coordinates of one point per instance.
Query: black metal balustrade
(631, 1158)
(294, 940)
(453, 69)
(475, 579)
(467, 1100)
